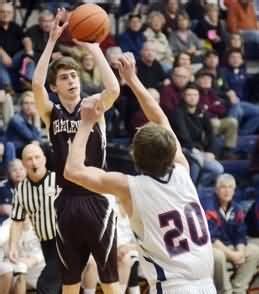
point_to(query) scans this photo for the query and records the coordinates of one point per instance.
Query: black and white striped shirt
(37, 200)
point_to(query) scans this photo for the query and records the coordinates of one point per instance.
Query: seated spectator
(154, 34)
(90, 75)
(242, 19)
(194, 131)
(39, 33)
(170, 10)
(183, 39)
(171, 94)
(227, 227)
(133, 38)
(24, 126)
(211, 65)
(15, 50)
(16, 173)
(217, 112)
(30, 258)
(24, 273)
(149, 69)
(211, 29)
(235, 75)
(241, 16)
(6, 109)
(236, 42)
(184, 59)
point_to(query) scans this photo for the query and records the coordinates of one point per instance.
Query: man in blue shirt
(228, 234)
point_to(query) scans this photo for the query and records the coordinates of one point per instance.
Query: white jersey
(172, 232)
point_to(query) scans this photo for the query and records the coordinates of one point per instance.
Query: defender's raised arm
(150, 107)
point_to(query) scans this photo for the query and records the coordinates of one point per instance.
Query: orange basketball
(89, 23)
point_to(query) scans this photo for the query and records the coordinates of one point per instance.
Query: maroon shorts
(86, 225)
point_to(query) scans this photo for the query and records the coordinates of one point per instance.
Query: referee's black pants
(49, 281)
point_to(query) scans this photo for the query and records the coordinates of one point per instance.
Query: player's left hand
(127, 66)
(92, 109)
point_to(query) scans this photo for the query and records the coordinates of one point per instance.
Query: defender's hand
(92, 109)
(127, 66)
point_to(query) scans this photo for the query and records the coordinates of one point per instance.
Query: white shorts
(5, 267)
(195, 287)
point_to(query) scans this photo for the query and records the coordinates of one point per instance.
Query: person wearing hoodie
(216, 110)
(132, 39)
(235, 75)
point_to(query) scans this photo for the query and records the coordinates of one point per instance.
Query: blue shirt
(229, 227)
(6, 196)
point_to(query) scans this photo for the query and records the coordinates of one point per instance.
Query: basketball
(89, 23)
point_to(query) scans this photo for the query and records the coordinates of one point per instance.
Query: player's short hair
(153, 150)
(225, 179)
(61, 63)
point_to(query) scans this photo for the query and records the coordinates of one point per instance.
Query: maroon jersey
(63, 127)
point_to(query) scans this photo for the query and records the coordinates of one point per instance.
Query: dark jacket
(237, 81)
(132, 41)
(192, 129)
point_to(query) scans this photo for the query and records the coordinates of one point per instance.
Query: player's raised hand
(92, 109)
(127, 66)
(60, 23)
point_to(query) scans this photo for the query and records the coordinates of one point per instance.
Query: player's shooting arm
(111, 85)
(44, 105)
(92, 178)
(150, 107)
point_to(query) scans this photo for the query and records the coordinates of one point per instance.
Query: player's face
(17, 172)
(67, 84)
(225, 192)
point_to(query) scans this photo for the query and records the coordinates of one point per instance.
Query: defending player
(162, 201)
(85, 222)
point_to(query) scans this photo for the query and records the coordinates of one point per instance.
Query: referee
(35, 197)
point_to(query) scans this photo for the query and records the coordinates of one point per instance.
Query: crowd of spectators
(192, 56)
